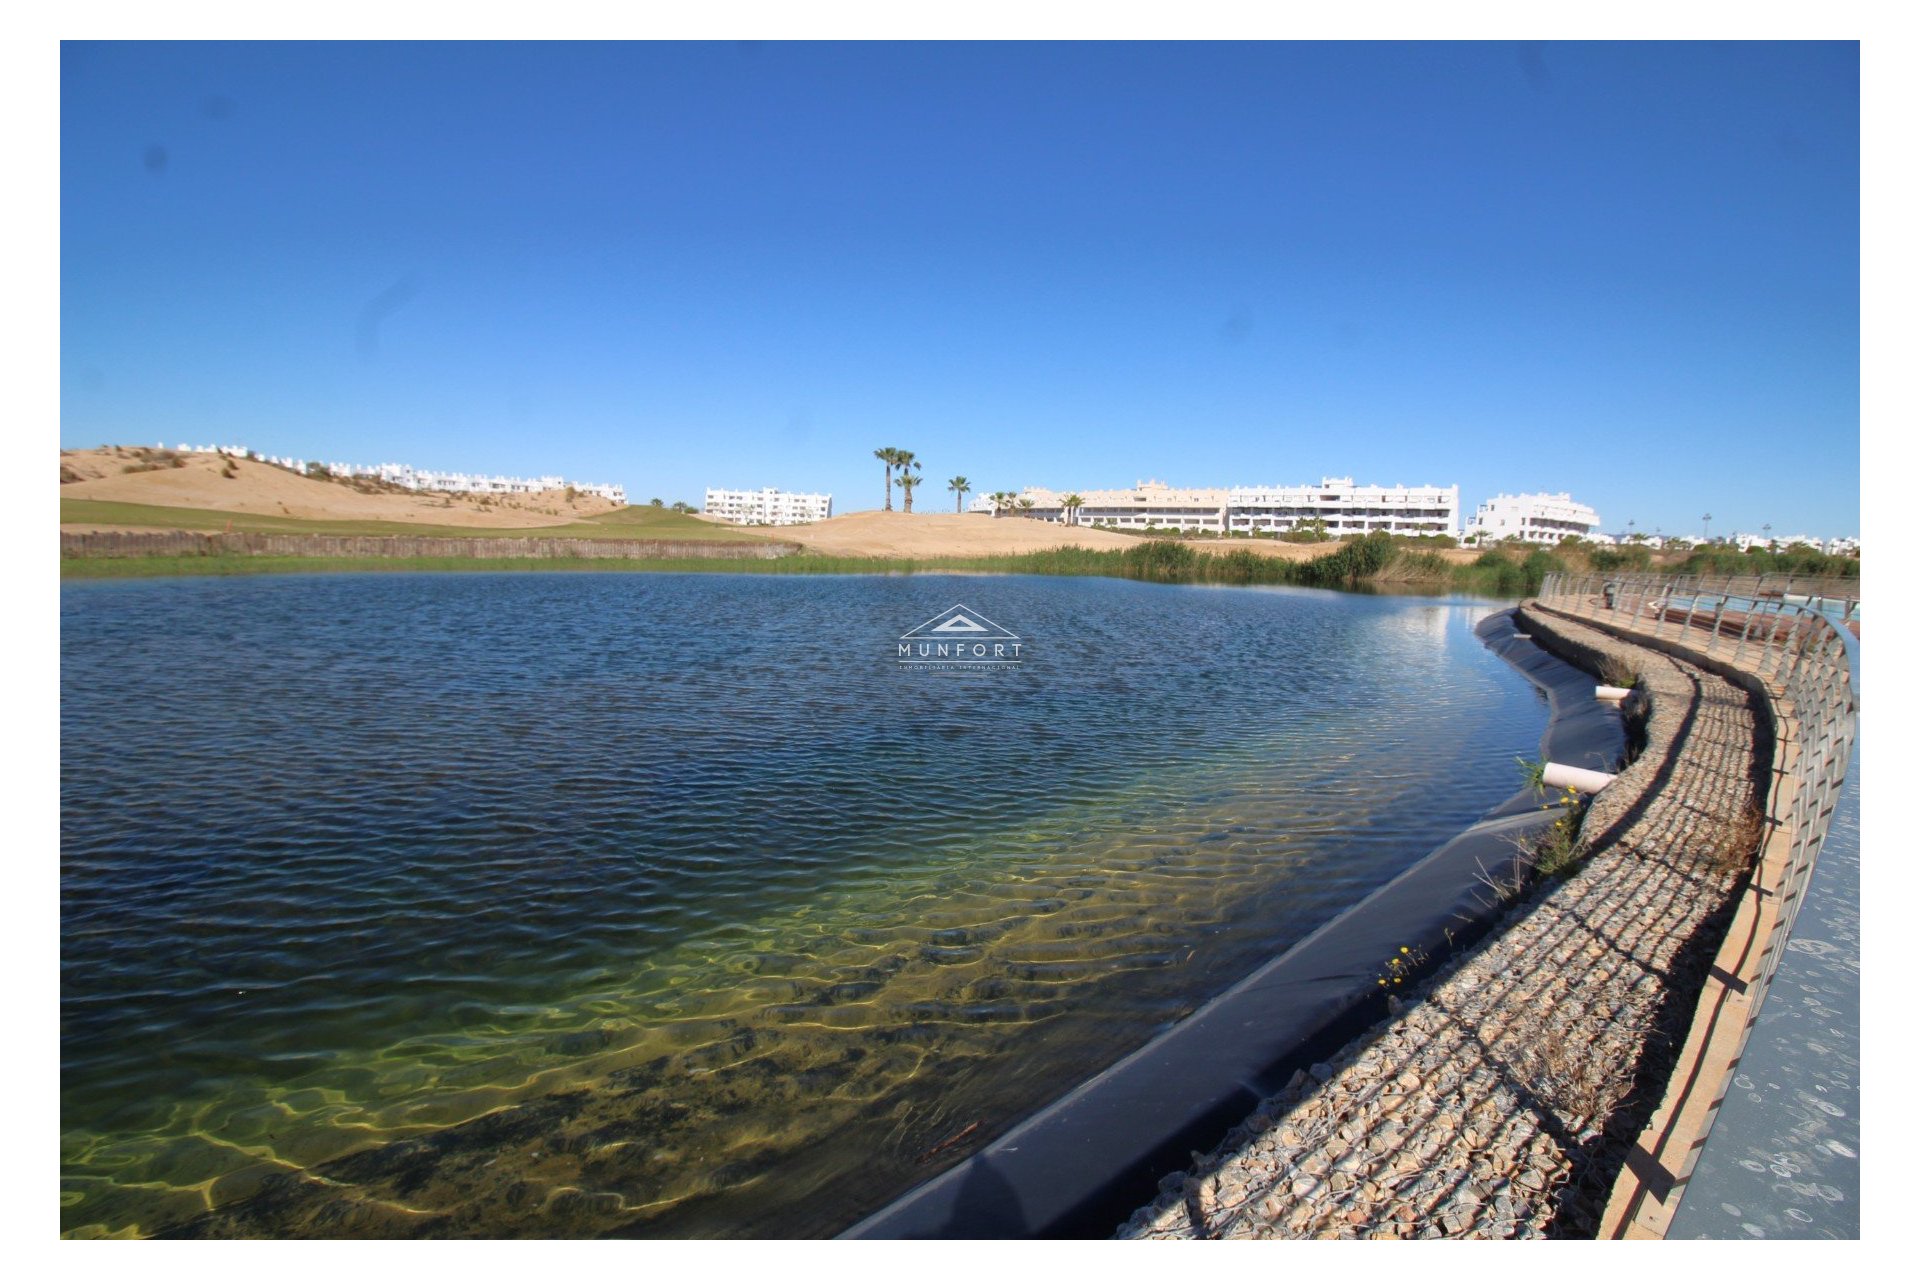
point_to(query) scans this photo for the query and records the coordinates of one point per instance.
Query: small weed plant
(1398, 970)
(1560, 850)
(1618, 674)
(1738, 842)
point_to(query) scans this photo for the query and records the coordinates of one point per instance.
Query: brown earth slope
(205, 481)
(922, 537)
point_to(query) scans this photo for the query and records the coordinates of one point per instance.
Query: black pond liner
(1079, 1167)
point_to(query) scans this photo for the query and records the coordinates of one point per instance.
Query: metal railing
(1838, 598)
(1796, 649)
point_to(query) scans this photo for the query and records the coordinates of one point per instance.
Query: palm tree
(1072, 503)
(891, 457)
(907, 481)
(958, 487)
(1026, 505)
(1001, 500)
(903, 459)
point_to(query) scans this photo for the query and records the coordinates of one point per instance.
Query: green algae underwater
(521, 905)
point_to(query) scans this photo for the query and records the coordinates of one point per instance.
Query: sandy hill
(205, 481)
(894, 533)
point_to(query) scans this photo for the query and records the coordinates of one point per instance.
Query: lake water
(645, 904)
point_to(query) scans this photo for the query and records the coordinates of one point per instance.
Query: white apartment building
(1149, 504)
(1544, 518)
(767, 506)
(464, 482)
(399, 473)
(1341, 506)
(1832, 546)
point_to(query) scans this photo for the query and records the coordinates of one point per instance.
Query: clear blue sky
(1630, 271)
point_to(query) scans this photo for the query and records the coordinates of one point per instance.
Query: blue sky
(1630, 271)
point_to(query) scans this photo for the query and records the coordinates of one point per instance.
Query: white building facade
(1543, 518)
(406, 477)
(767, 506)
(1832, 546)
(1339, 505)
(1343, 508)
(398, 473)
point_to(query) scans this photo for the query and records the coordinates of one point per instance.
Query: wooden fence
(182, 543)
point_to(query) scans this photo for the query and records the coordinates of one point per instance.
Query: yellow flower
(1403, 951)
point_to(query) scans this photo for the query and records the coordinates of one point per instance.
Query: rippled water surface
(583, 904)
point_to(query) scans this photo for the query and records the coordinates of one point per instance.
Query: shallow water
(654, 904)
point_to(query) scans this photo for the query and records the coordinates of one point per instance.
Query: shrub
(1617, 673)
(1238, 566)
(1630, 559)
(1421, 566)
(1801, 560)
(1538, 564)
(1159, 562)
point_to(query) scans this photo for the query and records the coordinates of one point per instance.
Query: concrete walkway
(1502, 1099)
(1783, 1158)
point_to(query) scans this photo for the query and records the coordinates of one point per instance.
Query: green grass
(625, 523)
(223, 566)
(1373, 563)
(1363, 564)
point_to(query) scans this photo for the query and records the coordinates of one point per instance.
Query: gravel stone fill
(1498, 1101)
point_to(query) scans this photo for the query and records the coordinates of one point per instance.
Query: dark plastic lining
(1081, 1165)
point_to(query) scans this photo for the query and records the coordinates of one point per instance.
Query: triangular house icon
(959, 623)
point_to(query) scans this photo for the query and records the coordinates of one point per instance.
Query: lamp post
(1705, 520)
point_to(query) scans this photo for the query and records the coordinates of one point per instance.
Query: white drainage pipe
(1611, 692)
(1586, 781)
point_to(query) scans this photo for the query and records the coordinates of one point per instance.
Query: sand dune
(258, 488)
(894, 533)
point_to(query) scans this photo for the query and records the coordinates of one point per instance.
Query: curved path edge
(1503, 1099)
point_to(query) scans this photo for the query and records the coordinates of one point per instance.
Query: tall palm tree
(1072, 503)
(891, 458)
(904, 460)
(907, 483)
(958, 487)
